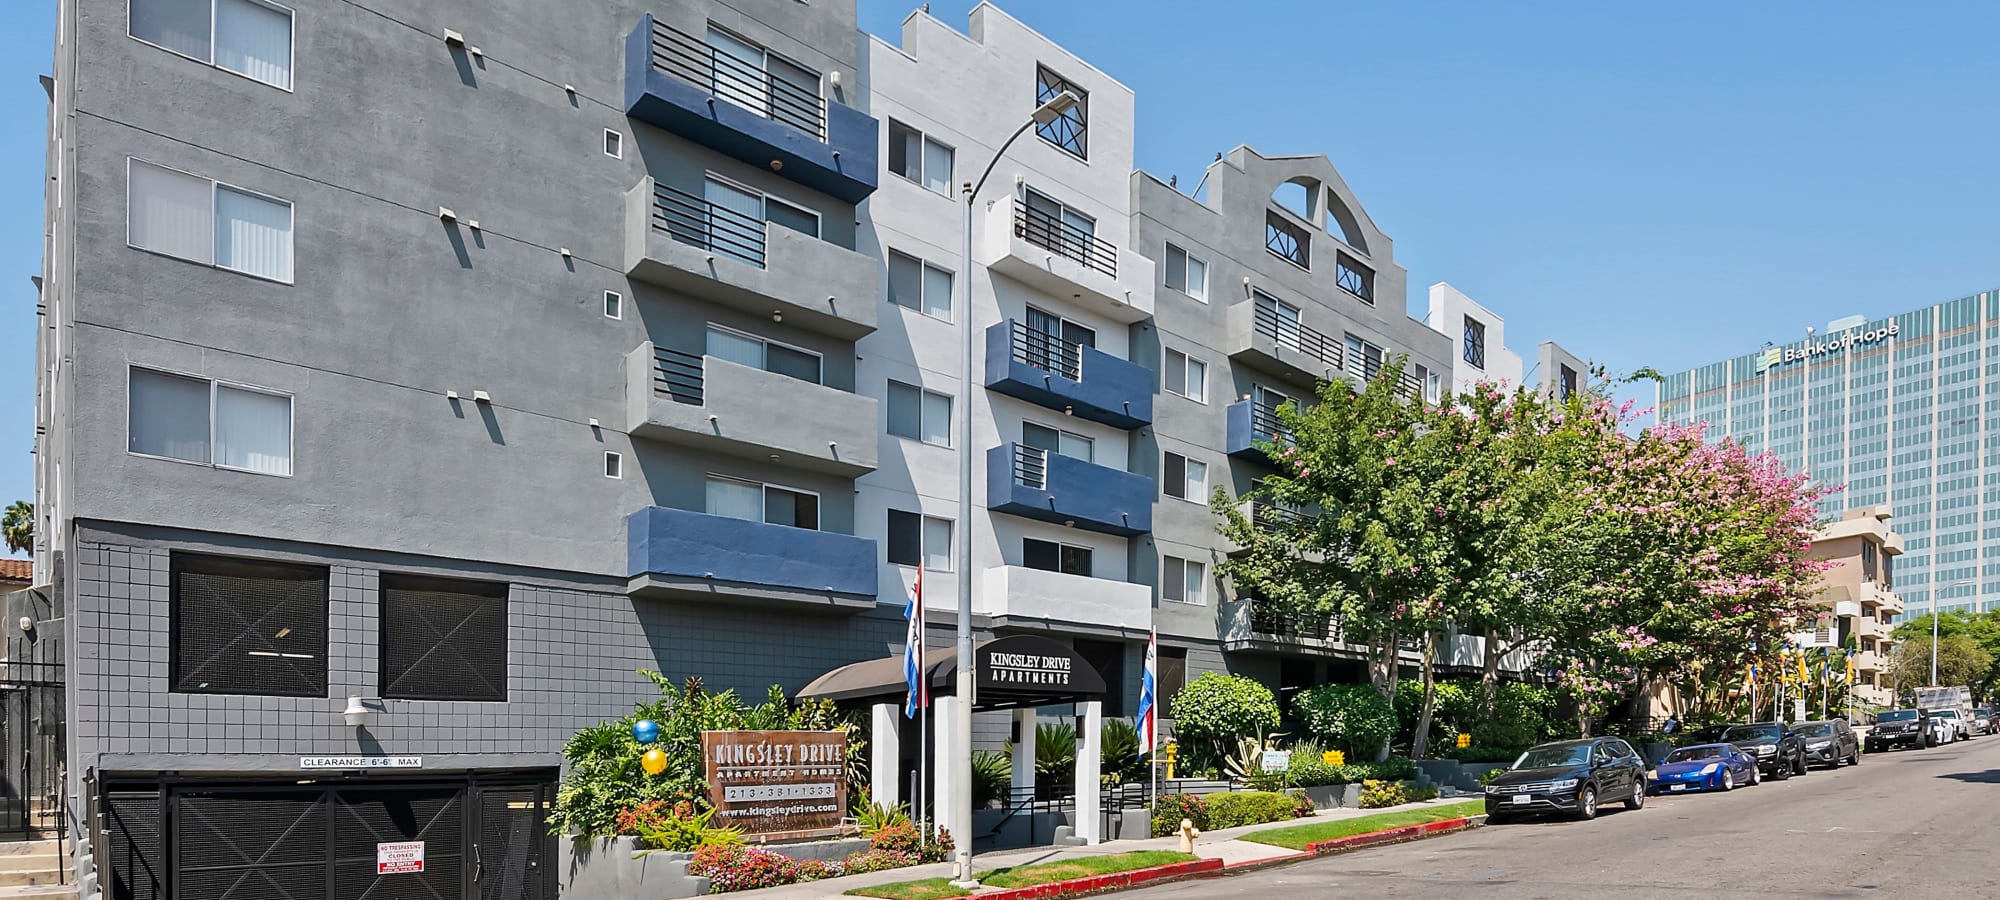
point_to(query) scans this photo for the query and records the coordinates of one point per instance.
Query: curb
(1390, 836)
(1076, 887)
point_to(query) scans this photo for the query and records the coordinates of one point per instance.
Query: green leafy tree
(1960, 660)
(17, 526)
(1215, 710)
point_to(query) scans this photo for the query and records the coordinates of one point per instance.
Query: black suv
(1901, 728)
(1571, 777)
(1829, 743)
(1780, 752)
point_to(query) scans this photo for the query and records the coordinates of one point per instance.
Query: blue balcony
(1249, 424)
(678, 82)
(683, 554)
(1083, 381)
(1036, 484)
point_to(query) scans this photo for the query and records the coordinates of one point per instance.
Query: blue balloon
(645, 731)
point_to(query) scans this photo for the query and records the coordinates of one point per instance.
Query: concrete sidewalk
(1223, 844)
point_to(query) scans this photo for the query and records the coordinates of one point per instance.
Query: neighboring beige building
(16, 574)
(1859, 596)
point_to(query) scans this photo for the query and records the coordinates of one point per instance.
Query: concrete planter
(1350, 795)
(1326, 796)
(607, 867)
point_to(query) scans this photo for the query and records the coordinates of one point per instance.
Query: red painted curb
(1389, 836)
(1079, 886)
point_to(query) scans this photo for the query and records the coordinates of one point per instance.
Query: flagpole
(923, 812)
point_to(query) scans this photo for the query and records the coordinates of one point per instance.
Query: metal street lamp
(961, 805)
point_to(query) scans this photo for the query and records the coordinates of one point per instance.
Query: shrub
(1491, 774)
(1212, 712)
(864, 861)
(681, 829)
(815, 870)
(1524, 715)
(737, 868)
(1353, 717)
(873, 817)
(1395, 768)
(992, 777)
(1415, 794)
(1377, 794)
(1302, 805)
(1170, 809)
(1118, 753)
(1248, 808)
(902, 839)
(1481, 753)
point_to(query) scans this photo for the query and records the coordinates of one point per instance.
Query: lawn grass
(1027, 876)
(1296, 837)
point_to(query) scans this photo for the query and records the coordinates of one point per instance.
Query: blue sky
(1648, 184)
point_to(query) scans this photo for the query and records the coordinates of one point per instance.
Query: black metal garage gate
(484, 838)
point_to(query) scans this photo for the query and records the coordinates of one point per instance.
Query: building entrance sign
(777, 783)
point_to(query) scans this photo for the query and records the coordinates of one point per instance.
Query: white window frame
(1060, 547)
(292, 422)
(923, 522)
(767, 342)
(1187, 359)
(614, 143)
(819, 222)
(925, 265)
(292, 45)
(614, 305)
(614, 465)
(1198, 292)
(924, 142)
(214, 186)
(922, 392)
(1199, 496)
(765, 68)
(1088, 441)
(1200, 596)
(763, 490)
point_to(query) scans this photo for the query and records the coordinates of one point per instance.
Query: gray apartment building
(411, 375)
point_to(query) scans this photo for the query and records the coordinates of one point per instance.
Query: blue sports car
(1704, 767)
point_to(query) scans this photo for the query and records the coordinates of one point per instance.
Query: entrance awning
(1008, 673)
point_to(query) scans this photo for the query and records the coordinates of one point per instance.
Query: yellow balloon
(654, 762)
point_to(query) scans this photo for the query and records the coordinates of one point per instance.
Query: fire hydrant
(1188, 834)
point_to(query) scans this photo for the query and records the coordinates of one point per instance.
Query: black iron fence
(750, 86)
(678, 375)
(1047, 352)
(1050, 232)
(1295, 335)
(1273, 623)
(1031, 467)
(32, 738)
(698, 222)
(1265, 424)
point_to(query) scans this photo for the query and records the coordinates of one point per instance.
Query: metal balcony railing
(718, 229)
(1294, 335)
(1270, 622)
(1271, 516)
(1265, 424)
(1047, 352)
(1031, 467)
(691, 59)
(677, 375)
(1406, 382)
(1065, 240)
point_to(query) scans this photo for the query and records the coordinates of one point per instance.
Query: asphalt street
(1908, 824)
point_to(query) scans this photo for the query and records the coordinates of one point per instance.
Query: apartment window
(918, 414)
(1432, 383)
(915, 284)
(248, 37)
(1054, 226)
(443, 639)
(1052, 440)
(1354, 278)
(1287, 240)
(1185, 375)
(1184, 479)
(1183, 581)
(614, 305)
(731, 219)
(768, 503)
(1050, 556)
(765, 83)
(1281, 320)
(205, 221)
(1366, 354)
(614, 465)
(1071, 130)
(1869, 555)
(918, 539)
(1187, 273)
(919, 158)
(1475, 343)
(758, 353)
(797, 218)
(1068, 331)
(246, 627)
(614, 144)
(1172, 675)
(209, 422)
(1567, 386)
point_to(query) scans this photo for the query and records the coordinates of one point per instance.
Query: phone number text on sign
(756, 793)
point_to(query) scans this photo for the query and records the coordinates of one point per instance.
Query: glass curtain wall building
(1902, 411)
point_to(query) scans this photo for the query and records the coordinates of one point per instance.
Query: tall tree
(17, 526)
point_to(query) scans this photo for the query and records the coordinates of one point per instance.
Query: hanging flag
(1804, 674)
(1148, 697)
(913, 652)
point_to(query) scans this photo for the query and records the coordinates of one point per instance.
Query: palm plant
(17, 526)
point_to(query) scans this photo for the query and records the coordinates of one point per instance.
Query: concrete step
(40, 892)
(16, 862)
(32, 877)
(48, 847)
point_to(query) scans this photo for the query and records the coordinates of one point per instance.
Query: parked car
(1829, 743)
(1571, 777)
(1901, 729)
(1704, 767)
(1982, 720)
(1779, 752)
(1953, 727)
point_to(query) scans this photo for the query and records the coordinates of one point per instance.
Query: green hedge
(1249, 808)
(1170, 809)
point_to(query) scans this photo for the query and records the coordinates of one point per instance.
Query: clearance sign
(1834, 344)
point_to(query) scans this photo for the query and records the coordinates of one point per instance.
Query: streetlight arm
(972, 190)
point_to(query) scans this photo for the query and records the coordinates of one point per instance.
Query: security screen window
(240, 626)
(443, 639)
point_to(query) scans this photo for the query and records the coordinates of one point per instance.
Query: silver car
(1951, 727)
